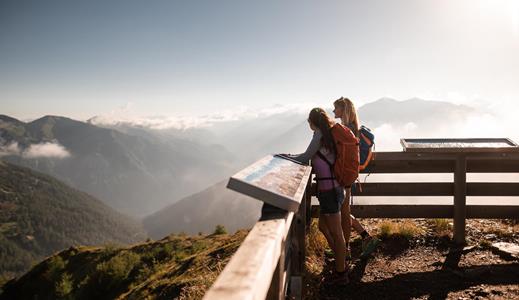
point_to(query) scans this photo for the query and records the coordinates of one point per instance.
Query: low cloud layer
(126, 117)
(42, 150)
(480, 125)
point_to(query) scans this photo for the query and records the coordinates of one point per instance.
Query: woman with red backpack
(345, 110)
(321, 151)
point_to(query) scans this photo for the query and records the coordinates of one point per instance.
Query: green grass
(177, 267)
(407, 230)
(440, 226)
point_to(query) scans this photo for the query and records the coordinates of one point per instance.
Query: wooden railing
(459, 164)
(270, 262)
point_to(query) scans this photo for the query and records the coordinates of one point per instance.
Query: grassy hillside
(40, 215)
(177, 266)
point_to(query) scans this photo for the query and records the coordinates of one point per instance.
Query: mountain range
(219, 205)
(133, 173)
(170, 175)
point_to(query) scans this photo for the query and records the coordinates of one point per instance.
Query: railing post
(308, 197)
(460, 199)
(277, 288)
(277, 285)
(298, 249)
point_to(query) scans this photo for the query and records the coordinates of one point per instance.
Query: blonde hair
(349, 116)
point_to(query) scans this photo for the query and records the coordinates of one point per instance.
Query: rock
(507, 249)
(483, 292)
(490, 236)
(468, 249)
(437, 264)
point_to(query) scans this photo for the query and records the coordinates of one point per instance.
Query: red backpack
(346, 166)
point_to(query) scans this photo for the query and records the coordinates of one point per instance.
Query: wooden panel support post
(460, 199)
(298, 250)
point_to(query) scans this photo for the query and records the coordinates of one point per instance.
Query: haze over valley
(167, 172)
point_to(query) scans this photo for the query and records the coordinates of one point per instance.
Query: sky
(182, 58)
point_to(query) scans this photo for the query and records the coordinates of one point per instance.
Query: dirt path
(426, 266)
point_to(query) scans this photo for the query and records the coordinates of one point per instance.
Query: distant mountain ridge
(218, 205)
(40, 215)
(415, 110)
(202, 211)
(135, 174)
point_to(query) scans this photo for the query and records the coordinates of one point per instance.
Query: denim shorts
(331, 201)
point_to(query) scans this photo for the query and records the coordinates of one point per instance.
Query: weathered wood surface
(429, 211)
(372, 189)
(273, 180)
(459, 145)
(249, 273)
(273, 249)
(407, 156)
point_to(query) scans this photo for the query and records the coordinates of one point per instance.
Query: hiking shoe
(368, 246)
(338, 279)
(329, 254)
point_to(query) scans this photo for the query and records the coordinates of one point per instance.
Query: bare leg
(333, 222)
(323, 227)
(355, 224)
(346, 219)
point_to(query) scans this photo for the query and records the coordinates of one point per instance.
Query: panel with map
(274, 180)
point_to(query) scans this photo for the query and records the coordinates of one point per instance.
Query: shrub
(55, 266)
(220, 229)
(199, 246)
(409, 230)
(117, 268)
(440, 226)
(316, 240)
(64, 286)
(406, 229)
(386, 229)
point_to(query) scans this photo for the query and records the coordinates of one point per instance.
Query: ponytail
(320, 119)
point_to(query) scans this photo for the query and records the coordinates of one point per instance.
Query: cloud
(491, 124)
(42, 150)
(10, 149)
(46, 150)
(387, 136)
(124, 116)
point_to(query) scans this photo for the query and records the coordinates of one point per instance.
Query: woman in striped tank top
(330, 194)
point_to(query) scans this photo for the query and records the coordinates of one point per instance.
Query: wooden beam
(417, 189)
(399, 155)
(403, 211)
(493, 211)
(406, 189)
(249, 273)
(410, 166)
(493, 166)
(460, 199)
(492, 189)
(396, 211)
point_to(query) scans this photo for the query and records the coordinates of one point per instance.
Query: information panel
(459, 145)
(274, 180)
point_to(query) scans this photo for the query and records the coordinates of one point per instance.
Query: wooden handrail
(459, 164)
(270, 262)
(270, 259)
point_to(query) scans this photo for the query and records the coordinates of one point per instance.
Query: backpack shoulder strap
(324, 158)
